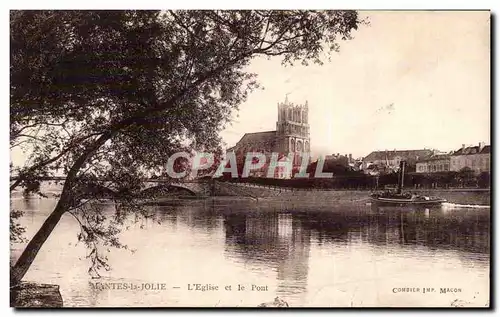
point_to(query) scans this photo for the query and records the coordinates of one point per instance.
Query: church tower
(292, 128)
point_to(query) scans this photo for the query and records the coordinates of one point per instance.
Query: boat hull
(407, 202)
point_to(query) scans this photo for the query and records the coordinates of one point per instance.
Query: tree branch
(51, 160)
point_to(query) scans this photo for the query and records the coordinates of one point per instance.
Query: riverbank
(463, 196)
(325, 197)
(35, 295)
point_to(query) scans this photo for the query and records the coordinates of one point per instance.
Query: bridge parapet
(198, 188)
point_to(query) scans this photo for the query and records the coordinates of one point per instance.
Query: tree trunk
(28, 256)
(24, 262)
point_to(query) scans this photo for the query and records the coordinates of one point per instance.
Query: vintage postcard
(286, 158)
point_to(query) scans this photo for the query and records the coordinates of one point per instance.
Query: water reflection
(281, 239)
(294, 250)
(271, 241)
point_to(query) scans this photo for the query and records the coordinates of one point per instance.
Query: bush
(484, 180)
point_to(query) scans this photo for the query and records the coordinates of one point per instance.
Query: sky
(408, 80)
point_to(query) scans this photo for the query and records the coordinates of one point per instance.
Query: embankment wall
(457, 196)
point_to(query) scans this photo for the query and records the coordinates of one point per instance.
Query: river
(308, 256)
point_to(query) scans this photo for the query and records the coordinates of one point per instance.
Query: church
(291, 136)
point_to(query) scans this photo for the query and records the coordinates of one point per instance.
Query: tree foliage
(109, 95)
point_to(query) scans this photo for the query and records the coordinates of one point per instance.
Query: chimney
(463, 146)
(481, 146)
(350, 157)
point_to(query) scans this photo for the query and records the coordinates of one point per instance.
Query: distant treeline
(360, 181)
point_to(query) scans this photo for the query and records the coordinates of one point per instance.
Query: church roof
(257, 141)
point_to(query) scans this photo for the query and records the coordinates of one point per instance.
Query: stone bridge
(203, 187)
(158, 188)
(194, 187)
(197, 187)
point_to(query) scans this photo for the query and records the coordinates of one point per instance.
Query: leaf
(106, 97)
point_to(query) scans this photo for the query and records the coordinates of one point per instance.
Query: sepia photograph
(250, 158)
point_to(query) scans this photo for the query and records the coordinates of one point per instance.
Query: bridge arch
(98, 191)
(165, 189)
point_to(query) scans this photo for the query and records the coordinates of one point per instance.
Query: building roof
(257, 141)
(436, 157)
(390, 155)
(469, 150)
